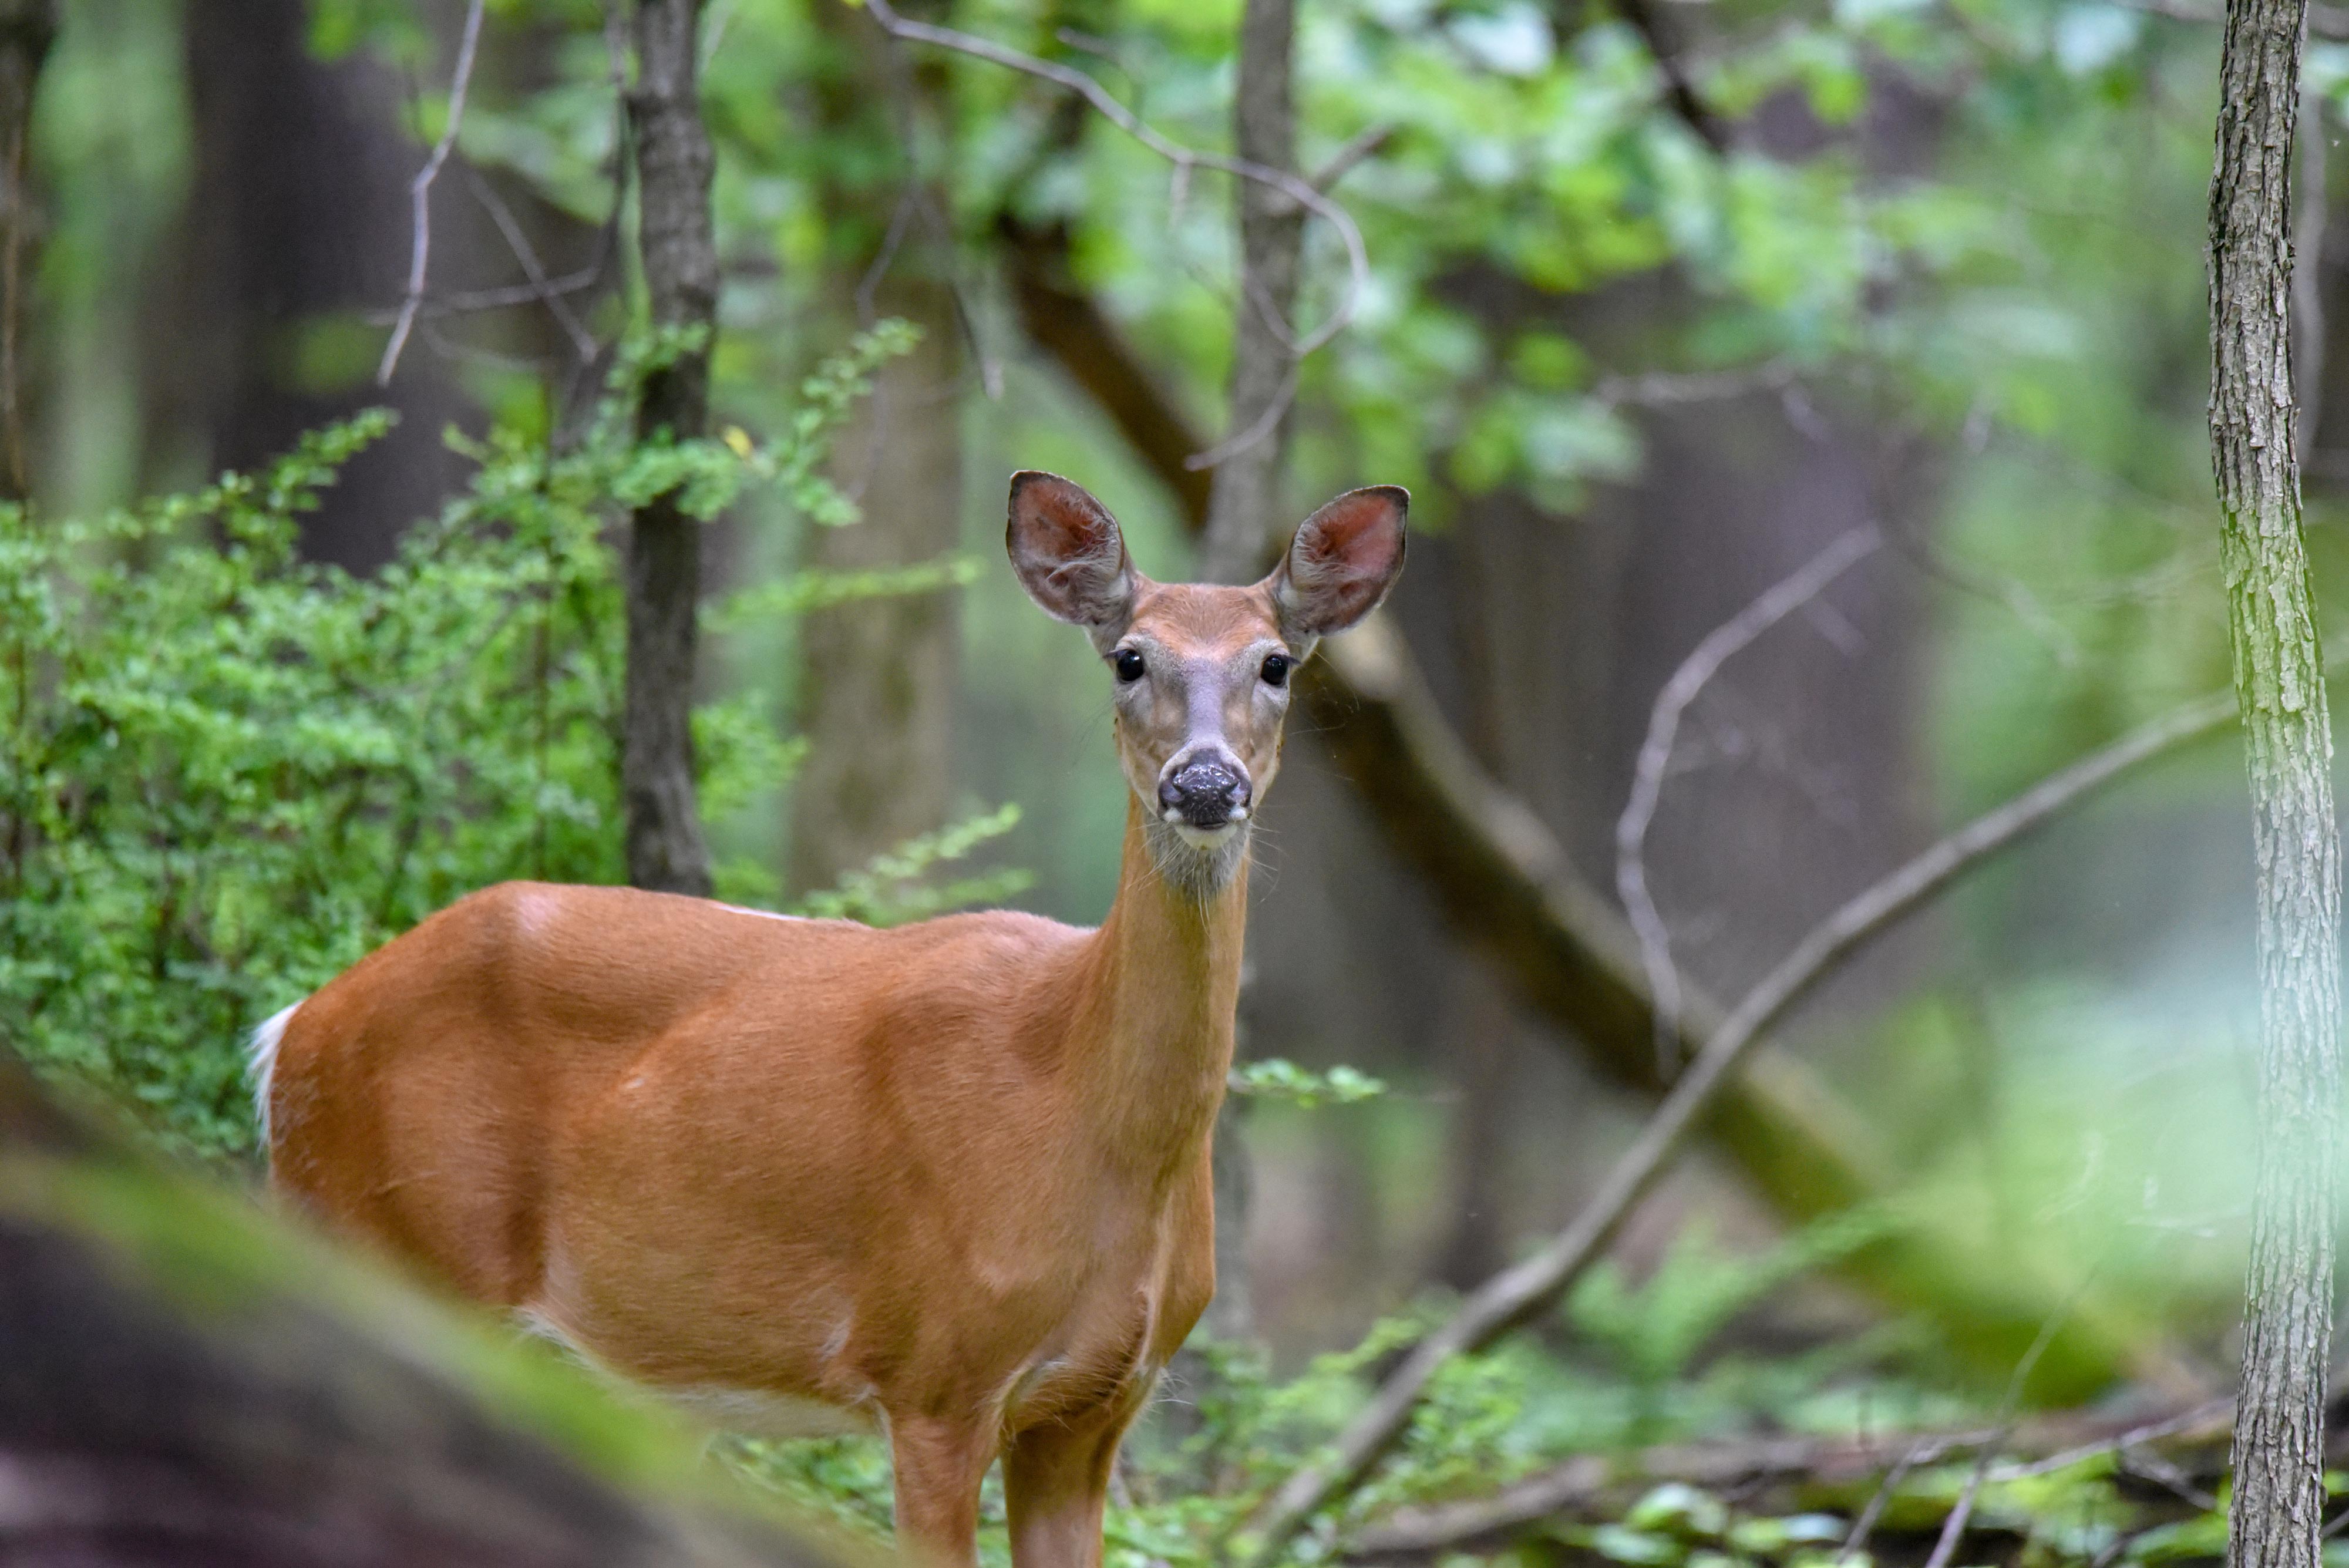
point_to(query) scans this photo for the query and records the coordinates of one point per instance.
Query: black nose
(1205, 791)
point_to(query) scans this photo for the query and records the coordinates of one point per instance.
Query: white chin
(1205, 838)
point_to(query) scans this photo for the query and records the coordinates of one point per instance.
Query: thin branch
(1655, 758)
(1518, 1294)
(1185, 159)
(1257, 430)
(420, 194)
(542, 288)
(505, 296)
(2211, 1414)
(1367, 143)
(1598, 1485)
(1679, 91)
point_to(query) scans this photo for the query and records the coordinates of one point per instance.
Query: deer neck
(1169, 980)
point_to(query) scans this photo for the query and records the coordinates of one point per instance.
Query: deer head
(1200, 673)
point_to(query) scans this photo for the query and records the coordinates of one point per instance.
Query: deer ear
(1340, 564)
(1069, 555)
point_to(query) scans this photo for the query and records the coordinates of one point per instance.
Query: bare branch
(1680, 92)
(1518, 1294)
(1367, 142)
(1596, 1484)
(420, 194)
(1185, 159)
(1655, 757)
(541, 289)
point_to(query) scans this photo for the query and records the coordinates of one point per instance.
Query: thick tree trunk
(27, 27)
(2288, 741)
(674, 165)
(1245, 498)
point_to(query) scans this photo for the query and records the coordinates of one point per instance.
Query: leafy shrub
(226, 772)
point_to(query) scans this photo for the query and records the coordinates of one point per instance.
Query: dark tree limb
(27, 28)
(674, 164)
(1063, 320)
(1680, 92)
(2288, 744)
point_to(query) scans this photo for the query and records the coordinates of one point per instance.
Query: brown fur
(954, 1176)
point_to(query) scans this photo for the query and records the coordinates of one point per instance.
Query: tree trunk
(2288, 742)
(1246, 493)
(680, 266)
(27, 27)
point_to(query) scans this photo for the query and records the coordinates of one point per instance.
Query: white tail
(261, 1061)
(953, 1176)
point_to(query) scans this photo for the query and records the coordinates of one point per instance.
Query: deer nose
(1207, 792)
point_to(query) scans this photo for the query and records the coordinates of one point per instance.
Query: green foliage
(891, 890)
(1654, 1330)
(226, 774)
(1278, 1078)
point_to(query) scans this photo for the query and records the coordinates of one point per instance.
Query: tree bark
(674, 164)
(1246, 497)
(27, 27)
(2288, 744)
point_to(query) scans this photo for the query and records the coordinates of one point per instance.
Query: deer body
(952, 1178)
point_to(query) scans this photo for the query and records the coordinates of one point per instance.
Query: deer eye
(1276, 668)
(1129, 666)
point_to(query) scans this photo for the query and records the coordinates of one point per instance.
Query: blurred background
(1665, 298)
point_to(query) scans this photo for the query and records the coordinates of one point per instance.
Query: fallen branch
(1597, 1485)
(1519, 1294)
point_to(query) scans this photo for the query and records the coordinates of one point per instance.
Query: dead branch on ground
(1600, 1486)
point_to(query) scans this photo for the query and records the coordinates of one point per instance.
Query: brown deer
(951, 1178)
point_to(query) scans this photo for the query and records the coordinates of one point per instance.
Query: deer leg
(1055, 1481)
(939, 1464)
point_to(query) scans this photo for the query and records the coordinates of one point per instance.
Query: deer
(950, 1180)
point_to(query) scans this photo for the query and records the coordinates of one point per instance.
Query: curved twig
(1703, 662)
(1185, 159)
(420, 194)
